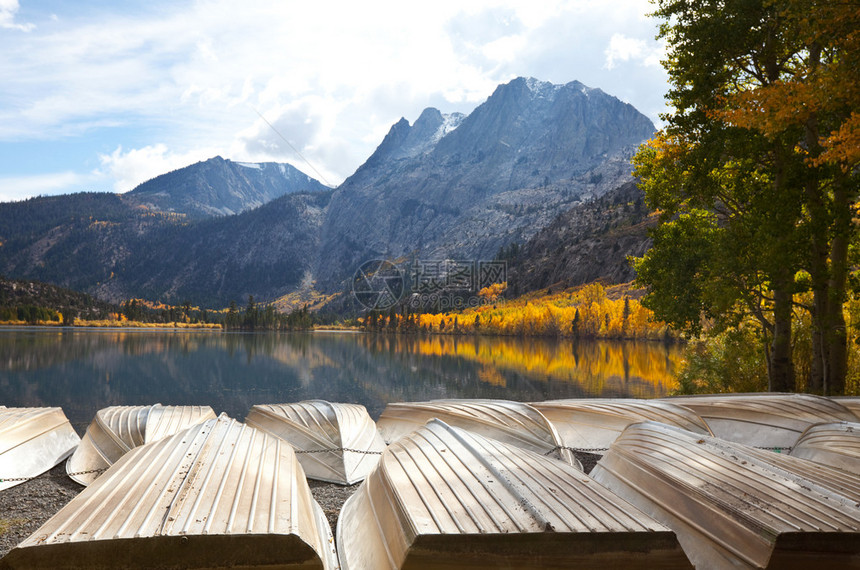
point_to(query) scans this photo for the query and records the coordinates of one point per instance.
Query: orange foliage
(493, 292)
(822, 86)
(602, 368)
(586, 312)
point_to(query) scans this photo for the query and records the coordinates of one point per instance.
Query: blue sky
(105, 95)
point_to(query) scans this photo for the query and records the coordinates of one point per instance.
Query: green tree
(815, 104)
(251, 314)
(735, 192)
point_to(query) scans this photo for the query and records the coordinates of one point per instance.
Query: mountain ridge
(530, 150)
(448, 186)
(220, 187)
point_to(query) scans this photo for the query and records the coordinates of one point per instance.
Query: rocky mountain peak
(531, 149)
(219, 187)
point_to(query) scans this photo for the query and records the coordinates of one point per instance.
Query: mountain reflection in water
(85, 370)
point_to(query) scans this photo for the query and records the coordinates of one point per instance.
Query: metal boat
(773, 421)
(515, 423)
(731, 507)
(850, 402)
(593, 424)
(118, 429)
(32, 441)
(444, 497)
(334, 442)
(836, 444)
(218, 495)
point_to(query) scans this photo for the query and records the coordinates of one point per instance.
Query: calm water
(85, 370)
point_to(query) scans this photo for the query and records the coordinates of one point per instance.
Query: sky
(102, 95)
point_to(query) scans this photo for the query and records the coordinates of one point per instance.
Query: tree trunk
(820, 237)
(835, 335)
(781, 368)
(817, 366)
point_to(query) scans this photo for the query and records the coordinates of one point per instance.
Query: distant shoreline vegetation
(587, 312)
(32, 303)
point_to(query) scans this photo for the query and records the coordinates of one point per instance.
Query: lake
(83, 370)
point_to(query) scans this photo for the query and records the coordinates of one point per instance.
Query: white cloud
(130, 168)
(622, 48)
(8, 10)
(181, 81)
(21, 187)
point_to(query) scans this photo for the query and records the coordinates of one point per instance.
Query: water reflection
(83, 370)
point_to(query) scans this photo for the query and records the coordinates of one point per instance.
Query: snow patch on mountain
(449, 123)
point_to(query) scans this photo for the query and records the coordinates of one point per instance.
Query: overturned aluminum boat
(218, 495)
(773, 421)
(731, 507)
(118, 429)
(334, 442)
(515, 423)
(593, 424)
(32, 441)
(443, 497)
(836, 444)
(850, 402)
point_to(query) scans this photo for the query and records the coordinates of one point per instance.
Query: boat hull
(334, 442)
(442, 497)
(514, 423)
(729, 505)
(836, 445)
(32, 441)
(593, 424)
(773, 421)
(217, 495)
(116, 430)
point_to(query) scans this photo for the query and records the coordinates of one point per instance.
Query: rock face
(219, 187)
(531, 150)
(588, 242)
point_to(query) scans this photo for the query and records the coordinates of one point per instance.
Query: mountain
(98, 243)
(265, 252)
(75, 240)
(462, 187)
(589, 242)
(219, 187)
(533, 158)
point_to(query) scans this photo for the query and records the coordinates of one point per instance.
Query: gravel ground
(25, 507)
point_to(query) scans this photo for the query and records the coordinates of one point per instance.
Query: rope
(602, 450)
(44, 476)
(367, 452)
(598, 450)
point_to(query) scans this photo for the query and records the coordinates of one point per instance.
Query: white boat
(773, 421)
(218, 495)
(730, 505)
(334, 442)
(32, 441)
(836, 444)
(593, 424)
(118, 429)
(515, 423)
(443, 497)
